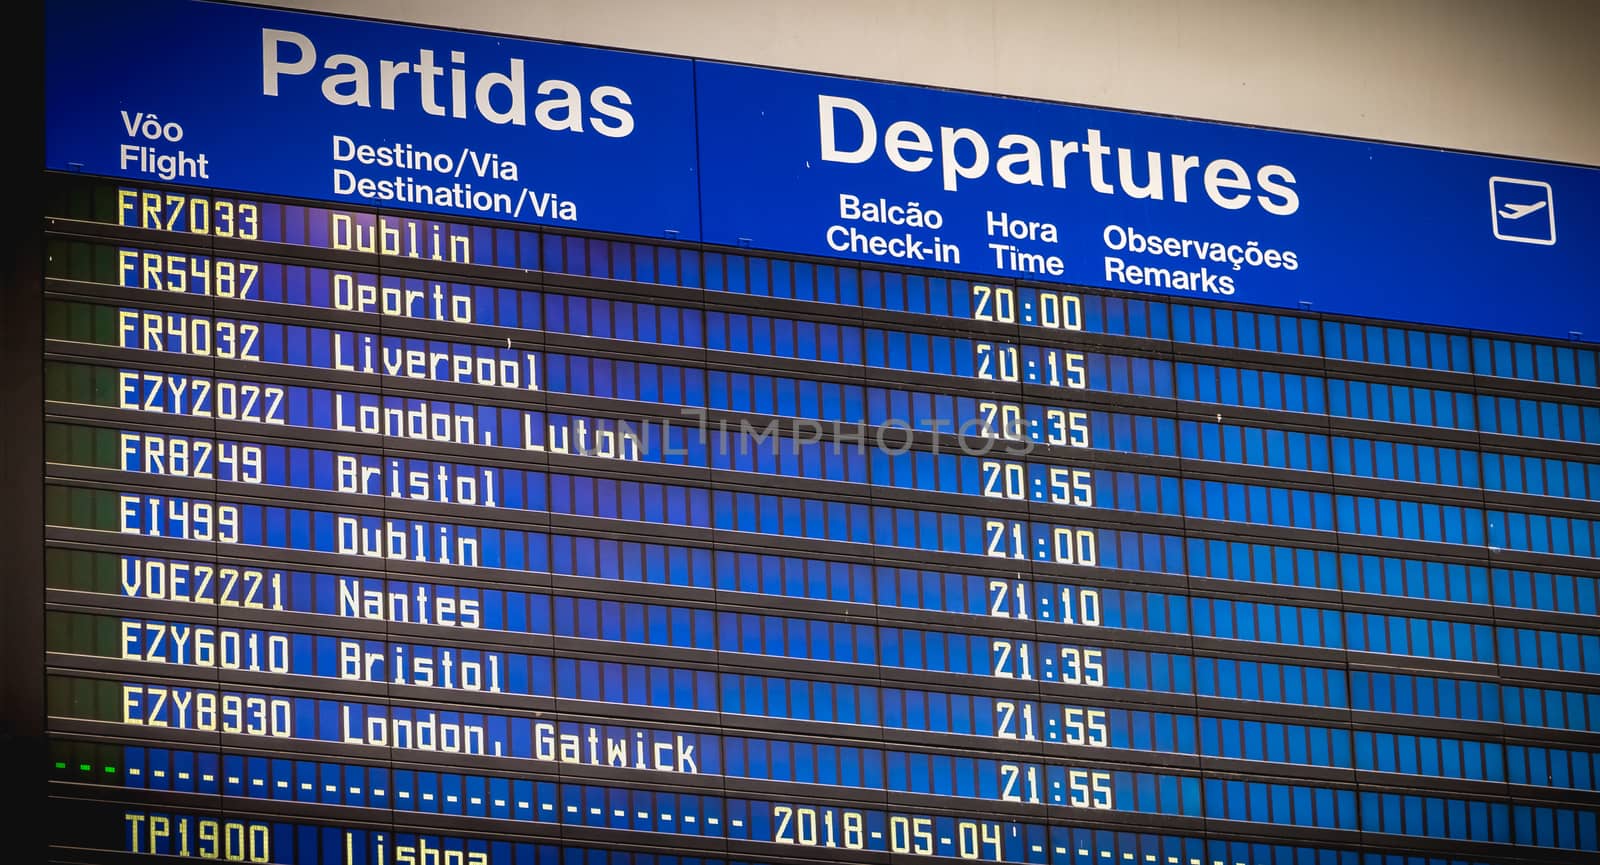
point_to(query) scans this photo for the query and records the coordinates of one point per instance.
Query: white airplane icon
(1517, 211)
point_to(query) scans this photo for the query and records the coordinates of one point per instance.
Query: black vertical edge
(22, 709)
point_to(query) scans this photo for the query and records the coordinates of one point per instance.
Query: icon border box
(1550, 207)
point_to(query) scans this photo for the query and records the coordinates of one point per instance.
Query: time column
(1091, 372)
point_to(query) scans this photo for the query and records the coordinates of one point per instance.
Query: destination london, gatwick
(1024, 246)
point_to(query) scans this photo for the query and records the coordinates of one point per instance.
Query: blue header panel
(916, 176)
(375, 114)
(368, 113)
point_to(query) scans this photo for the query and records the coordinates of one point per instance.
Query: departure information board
(462, 449)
